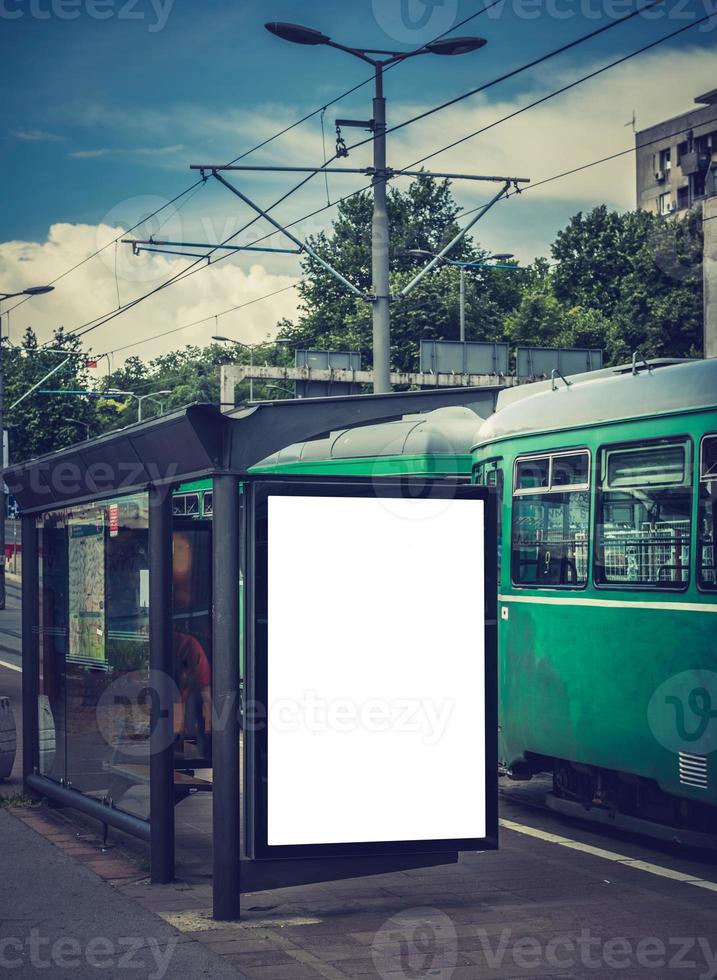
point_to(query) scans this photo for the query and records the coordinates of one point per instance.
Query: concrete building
(676, 165)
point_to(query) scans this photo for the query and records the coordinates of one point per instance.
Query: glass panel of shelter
(94, 650)
(94, 700)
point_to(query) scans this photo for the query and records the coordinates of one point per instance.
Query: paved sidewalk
(59, 919)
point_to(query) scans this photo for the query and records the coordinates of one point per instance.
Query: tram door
(492, 476)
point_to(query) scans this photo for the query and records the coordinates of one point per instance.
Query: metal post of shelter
(161, 657)
(30, 660)
(225, 695)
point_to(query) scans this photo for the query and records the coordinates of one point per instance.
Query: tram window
(570, 470)
(657, 466)
(644, 513)
(208, 503)
(706, 564)
(179, 505)
(532, 473)
(551, 521)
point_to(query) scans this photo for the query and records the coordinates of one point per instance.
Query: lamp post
(30, 291)
(380, 258)
(80, 422)
(152, 395)
(220, 338)
(424, 253)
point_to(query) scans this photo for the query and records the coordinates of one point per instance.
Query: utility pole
(380, 255)
(462, 297)
(31, 291)
(380, 232)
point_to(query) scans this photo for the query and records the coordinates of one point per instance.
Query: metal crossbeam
(385, 172)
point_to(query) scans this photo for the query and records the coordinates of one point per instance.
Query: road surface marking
(653, 869)
(4, 663)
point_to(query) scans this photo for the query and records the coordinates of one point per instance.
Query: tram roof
(444, 431)
(658, 387)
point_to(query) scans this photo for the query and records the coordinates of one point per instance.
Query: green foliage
(39, 423)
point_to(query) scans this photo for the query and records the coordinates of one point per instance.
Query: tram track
(527, 809)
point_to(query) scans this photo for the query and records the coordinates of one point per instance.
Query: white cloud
(148, 152)
(36, 136)
(582, 125)
(575, 128)
(92, 290)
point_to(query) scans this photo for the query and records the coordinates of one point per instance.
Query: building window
(665, 203)
(706, 566)
(683, 197)
(698, 185)
(665, 160)
(681, 150)
(551, 519)
(643, 516)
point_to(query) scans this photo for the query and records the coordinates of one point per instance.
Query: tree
(39, 423)
(421, 217)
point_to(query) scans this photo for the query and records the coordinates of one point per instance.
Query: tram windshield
(643, 516)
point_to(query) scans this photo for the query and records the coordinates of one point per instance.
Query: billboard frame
(257, 492)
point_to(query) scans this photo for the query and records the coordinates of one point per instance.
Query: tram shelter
(117, 699)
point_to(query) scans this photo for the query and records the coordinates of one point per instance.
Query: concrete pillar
(709, 273)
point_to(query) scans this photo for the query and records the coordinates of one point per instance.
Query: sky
(108, 103)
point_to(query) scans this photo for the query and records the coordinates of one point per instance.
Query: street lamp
(423, 253)
(288, 391)
(80, 422)
(220, 338)
(379, 59)
(152, 395)
(30, 291)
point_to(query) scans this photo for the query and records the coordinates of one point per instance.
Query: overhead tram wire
(204, 319)
(565, 88)
(510, 74)
(464, 214)
(197, 265)
(91, 325)
(549, 55)
(197, 184)
(497, 122)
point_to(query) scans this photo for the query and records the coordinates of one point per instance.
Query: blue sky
(108, 102)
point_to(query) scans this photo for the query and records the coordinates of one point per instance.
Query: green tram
(608, 591)
(608, 587)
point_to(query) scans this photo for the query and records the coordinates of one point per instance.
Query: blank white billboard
(376, 689)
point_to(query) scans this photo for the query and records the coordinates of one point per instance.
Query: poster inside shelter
(86, 560)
